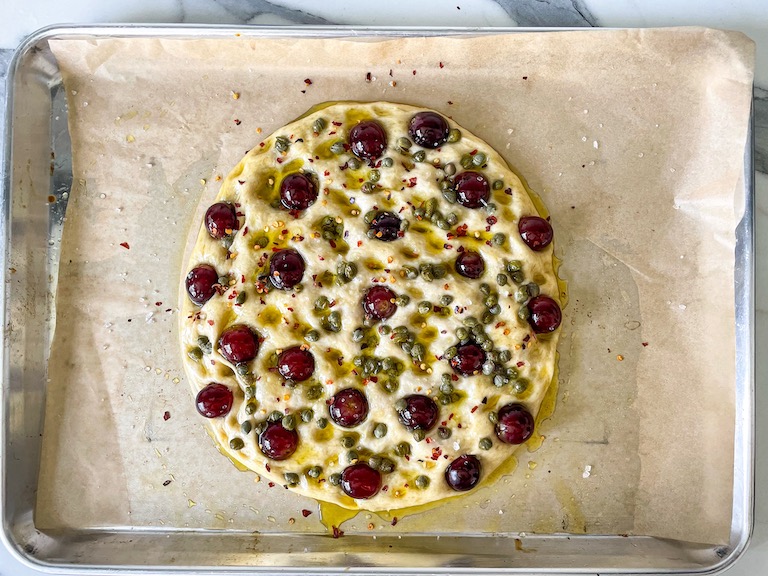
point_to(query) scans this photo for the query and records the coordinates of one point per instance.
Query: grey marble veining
(247, 12)
(761, 130)
(559, 13)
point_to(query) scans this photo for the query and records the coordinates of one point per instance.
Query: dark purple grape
(214, 400)
(463, 473)
(428, 129)
(470, 264)
(535, 232)
(469, 359)
(472, 189)
(360, 481)
(420, 412)
(545, 315)
(286, 269)
(201, 283)
(238, 344)
(515, 424)
(297, 191)
(277, 442)
(379, 302)
(368, 140)
(385, 226)
(348, 407)
(221, 220)
(296, 363)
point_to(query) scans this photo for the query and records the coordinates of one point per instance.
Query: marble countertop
(18, 18)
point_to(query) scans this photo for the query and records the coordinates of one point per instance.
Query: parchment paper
(635, 141)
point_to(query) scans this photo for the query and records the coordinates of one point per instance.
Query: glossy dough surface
(343, 260)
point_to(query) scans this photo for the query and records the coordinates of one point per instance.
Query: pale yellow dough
(283, 317)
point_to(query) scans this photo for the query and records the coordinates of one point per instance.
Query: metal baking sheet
(37, 144)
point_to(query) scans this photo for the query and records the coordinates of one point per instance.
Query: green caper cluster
(447, 396)
(476, 160)
(430, 212)
(365, 336)
(331, 227)
(345, 272)
(407, 342)
(491, 303)
(390, 367)
(357, 452)
(332, 322)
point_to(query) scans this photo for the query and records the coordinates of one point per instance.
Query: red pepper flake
(368, 77)
(268, 468)
(491, 220)
(337, 532)
(167, 416)
(450, 416)
(279, 160)
(261, 144)
(448, 246)
(125, 245)
(158, 303)
(306, 512)
(462, 230)
(307, 81)
(336, 123)
(450, 102)
(441, 64)
(327, 173)
(271, 484)
(458, 425)
(394, 521)
(411, 182)
(210, 322)
(359, 243)
(237, 122)
(436, 453)
(520, 364)
(245, 230)
(474, 408)
(645, 344)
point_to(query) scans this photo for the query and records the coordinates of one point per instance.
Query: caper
(485, 289)
(521, 295)
(450, 196)
(424, 307)
(462, 334)
(250, 391)
(227, 241)
(402, 300)
(338, 147)
(241, 297)
(312, 336)
(389, 386)
(288, 422)
(204, 344)
(353, 163)
(501, 279)
(446, 387)
(406, 347)
(374, 175)
(478, 159)
(314, 472)
(490, 207)
(430, 206)
(487, 345)
(514, 266)
(401, 405)
(470, 322)
(495, 309)
(403, 449)
(500, 380)
(420, 212)
(444, 399)
(334, 479)
(251, 407)
(498, 239)
(318, 125)
(466, 161)
(367, 187)
(505, 356)
(439, 271)
(449, 169)
(419, 156)
(380, 430)
(410, 272)
(386, 466)
(374, 461)
(388, 162)
(242, 369)
(419, 435)
(488, 367)
(196, 354)
(313, 392)
(347, 270)
(307, 414)
(352, 456)
(322, 423)
(518, 277)
(387, 364)
(246, 426)
(321, 303)
(282, 143)
(454, 135)
(491, 300)
(236, 444)
(417, 352)
(510, 372)
(403, 143)
(520, 386)
(348, 441)
(275, 415)
(450, 353)
(485, 444)
(533, 289)
(259, 427)
(452, 218)
(444, 432)
(358, 361)
(493, 417)
(261, 241)
(332, 322)
(357, 335)
(446, 299)
(479, 333)
(422, 482)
